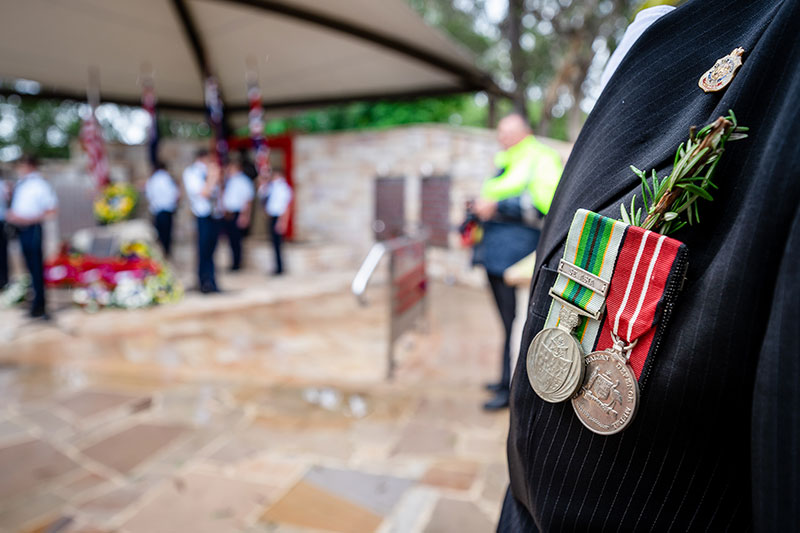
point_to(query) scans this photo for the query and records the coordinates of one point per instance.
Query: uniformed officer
(33, 201)
(237, 200)
(202, 182)
(4, 196)
(512, 206)
(276, 196)
(162, 196)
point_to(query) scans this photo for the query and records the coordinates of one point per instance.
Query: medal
(649, 271)
(721, 74)
(609, 396)
(555, 356)
(646, 278)
(555, 359)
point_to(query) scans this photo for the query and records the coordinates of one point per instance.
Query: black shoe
(209, 289)
(39, 314)
(494, 387)
(499, 401)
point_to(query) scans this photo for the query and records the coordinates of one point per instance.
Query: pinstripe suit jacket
(716, 441)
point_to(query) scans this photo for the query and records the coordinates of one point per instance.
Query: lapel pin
(720, 75)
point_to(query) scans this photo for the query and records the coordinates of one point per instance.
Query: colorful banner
(149, 101)
(216, 117)
(91, 138)
(256, 123)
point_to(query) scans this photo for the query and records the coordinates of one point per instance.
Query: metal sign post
(408, 286)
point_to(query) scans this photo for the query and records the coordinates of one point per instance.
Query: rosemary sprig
(671, 203)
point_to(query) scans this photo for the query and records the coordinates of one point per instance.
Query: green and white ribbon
(585, 272)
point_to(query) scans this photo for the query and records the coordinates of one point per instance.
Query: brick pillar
(390, 207)
(435, 204)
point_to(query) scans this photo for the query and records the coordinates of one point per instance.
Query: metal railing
(407, 285)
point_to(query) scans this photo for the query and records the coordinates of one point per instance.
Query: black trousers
(163, 223)
(207, 235)
(30, 239)
(3, 255)
(235, 235)
(277, 240)
(505, 296)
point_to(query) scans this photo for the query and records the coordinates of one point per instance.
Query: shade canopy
(306, 52)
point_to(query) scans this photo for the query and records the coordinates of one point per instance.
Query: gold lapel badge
(720, 75)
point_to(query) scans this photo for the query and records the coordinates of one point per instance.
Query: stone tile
(453, 474)
(49, 422)
(456, 516)
(87, 403)
(29, 465)
(278, 473)
(61, 524)
(199, 503)
(496, 482)
(79, 484)
(113, 502)
(308, 506)
(450, 409)
(129, 448)
(379, 494)
(415, 507)
(188, 448)
(9, 430)
(424, 439)
(32, 512)
(485, 447)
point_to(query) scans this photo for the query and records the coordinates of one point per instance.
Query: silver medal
(555, 359)
(609, 397)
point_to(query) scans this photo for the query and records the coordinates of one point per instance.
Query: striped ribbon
(592, 245)
(637, 292)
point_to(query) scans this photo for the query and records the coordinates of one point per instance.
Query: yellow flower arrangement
(115, 203)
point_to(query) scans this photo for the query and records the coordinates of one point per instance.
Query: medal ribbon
(635, 296)
(592, 245)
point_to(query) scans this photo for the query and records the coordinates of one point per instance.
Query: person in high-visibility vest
(511, 207)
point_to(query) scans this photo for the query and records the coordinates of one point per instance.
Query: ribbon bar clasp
(583, 278)
(569, 305)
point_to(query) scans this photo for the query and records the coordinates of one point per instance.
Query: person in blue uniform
(4, 197)
(237, 200)
(275, 194)
(33, 202)
(162, 196)
(202, 182)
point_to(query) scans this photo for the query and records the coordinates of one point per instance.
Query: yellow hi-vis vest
(529, 165)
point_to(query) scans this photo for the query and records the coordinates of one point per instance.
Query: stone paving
(261, 410)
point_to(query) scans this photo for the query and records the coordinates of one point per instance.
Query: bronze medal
(609, 397)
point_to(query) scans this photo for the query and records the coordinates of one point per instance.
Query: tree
(548, 53)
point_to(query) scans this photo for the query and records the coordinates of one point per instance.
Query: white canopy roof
(307, 52)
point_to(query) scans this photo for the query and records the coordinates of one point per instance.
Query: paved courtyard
(264, 409)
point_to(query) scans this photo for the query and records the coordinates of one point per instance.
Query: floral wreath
(115, 203)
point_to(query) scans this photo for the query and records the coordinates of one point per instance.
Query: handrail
(373, 259)
(360, 282)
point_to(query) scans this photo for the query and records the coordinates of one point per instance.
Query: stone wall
(335, 181)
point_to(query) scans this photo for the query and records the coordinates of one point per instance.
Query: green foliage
(40, 127)
(671, 203)
(461, 110)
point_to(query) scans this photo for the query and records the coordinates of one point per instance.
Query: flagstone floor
(264, 409)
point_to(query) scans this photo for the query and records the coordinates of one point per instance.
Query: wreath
(115, 203)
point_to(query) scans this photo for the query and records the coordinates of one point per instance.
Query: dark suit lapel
(651, 101)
